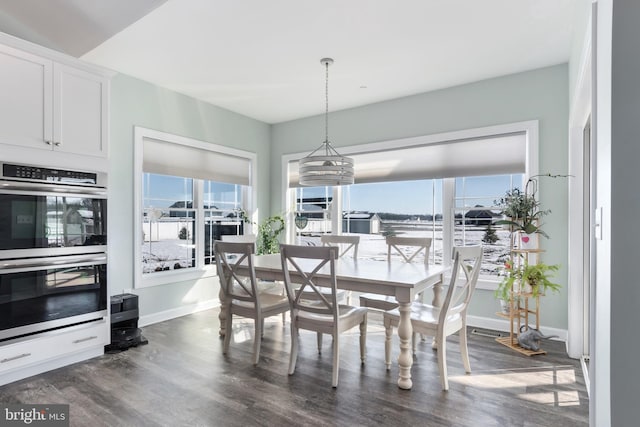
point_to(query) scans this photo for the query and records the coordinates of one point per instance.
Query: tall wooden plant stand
(523, 305)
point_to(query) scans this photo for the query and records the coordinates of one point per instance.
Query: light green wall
(535, 95)
(138, 103)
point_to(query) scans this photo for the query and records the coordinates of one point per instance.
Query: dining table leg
(405, 360)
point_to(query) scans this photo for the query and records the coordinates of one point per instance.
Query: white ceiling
(262, 58)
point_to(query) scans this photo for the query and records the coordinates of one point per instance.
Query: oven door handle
(37, 188)
(46, 263)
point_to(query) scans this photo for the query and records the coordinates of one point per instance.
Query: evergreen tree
(490, 236)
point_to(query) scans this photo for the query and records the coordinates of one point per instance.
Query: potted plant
(269, 231)
(523, 212)
(534, 278)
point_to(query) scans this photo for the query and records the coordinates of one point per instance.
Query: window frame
(249, 202)
(528, 128)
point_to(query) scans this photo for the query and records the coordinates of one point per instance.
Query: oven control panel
(37, 173)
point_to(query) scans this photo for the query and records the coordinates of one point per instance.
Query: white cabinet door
(80, 111)
(25, 99)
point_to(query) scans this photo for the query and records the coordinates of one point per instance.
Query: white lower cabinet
(50, 350)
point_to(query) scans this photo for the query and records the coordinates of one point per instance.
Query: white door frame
(578, 194)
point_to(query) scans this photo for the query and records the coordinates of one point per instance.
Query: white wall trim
(173, 313)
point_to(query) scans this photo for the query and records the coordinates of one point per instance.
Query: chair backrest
(236, 271)
(466, 259)
(409, 247)
(239, 238)
(305, 262)
(345, 243)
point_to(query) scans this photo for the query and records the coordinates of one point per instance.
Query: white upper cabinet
(52, 106)
(79, 111)
(26, 101)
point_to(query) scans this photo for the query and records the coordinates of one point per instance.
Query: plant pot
(527, 241)
(505, 306)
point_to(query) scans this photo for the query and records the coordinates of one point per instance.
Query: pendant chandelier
(325, 166)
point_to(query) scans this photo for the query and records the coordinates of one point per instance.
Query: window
(402, 208)
(190, 194)
(439, 186)
(311, 212)
(475, 215)
(168, 223)
(222, 214)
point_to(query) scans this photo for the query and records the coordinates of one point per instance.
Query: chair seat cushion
(421, 314)
(268, 301)
(349, 317)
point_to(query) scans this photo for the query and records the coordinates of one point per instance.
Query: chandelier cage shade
(324, 166)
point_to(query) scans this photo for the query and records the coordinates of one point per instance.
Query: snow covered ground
(167, 254)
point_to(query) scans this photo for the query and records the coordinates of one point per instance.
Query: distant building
(480, 217)
(361, 222)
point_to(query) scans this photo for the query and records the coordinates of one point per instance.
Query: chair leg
(227, 332)
(319, 339)
(363, 340)
(293, 356)
(388, 331)
(464, 351)
(442, 362)
(257, 338)
(336, 360)
(413, 341)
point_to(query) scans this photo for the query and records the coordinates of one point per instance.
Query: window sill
(173, 276)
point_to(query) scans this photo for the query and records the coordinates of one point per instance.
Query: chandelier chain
(326, 99)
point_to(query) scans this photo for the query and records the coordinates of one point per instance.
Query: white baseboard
(503, 325)
(161, 316)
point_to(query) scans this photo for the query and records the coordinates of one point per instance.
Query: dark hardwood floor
(181, 378)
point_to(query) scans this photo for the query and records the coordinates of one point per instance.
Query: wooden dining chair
(440, 322)
(348, 247)
(240, 290)
(348, 244)
(408, 248)
(239, 238)
(322, 315)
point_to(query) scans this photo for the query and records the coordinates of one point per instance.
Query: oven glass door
(36, 297)
(51, 221)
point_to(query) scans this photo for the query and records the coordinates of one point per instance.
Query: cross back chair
(408, 248)
(242, 297)
(347, 244)
(441, 322)
(414, 246)
(323, 315)
(239, 238)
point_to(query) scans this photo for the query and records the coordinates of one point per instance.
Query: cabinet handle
(20, 356)
(48, 142)
(85, 339)
(57, 144)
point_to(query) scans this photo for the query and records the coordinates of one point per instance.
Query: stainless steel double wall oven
(53, 235)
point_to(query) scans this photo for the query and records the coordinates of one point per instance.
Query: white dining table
(398, 279)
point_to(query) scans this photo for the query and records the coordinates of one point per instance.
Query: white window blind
(502, 154)
(168, 158)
